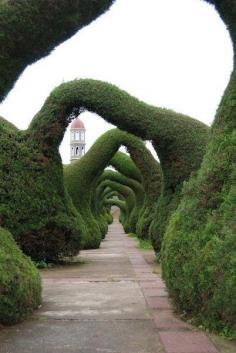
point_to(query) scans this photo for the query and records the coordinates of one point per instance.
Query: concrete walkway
(112, 302)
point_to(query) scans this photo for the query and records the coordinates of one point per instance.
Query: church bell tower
(77, 140)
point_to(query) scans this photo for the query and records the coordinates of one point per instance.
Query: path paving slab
(166, 320)
(187, 342)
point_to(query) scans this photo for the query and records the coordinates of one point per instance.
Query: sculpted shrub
(199, 247)
(20, 286)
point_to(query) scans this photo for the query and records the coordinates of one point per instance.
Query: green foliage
(179, 140)
(151, 179)
(130, 201)
(31, 29)
(136, 186)
(199, 249)
(34, 204)
(144, 244)
(20, 285)
(31, 172)
(81, 178)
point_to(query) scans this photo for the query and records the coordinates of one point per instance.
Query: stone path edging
(176, 335)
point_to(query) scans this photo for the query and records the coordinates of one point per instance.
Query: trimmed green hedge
(20, 285)
(31, 173)
(199, 250)
(34, 204)
(81, 176)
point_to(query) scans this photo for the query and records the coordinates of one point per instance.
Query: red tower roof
(77, 124)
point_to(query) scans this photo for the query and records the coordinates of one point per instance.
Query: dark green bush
(20, 285)
(34, 204)
(199, 250)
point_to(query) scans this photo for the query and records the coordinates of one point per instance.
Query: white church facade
(77, 140)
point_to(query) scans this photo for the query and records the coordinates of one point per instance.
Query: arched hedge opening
(179, 140)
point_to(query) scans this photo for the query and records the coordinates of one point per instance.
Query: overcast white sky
(169, 53)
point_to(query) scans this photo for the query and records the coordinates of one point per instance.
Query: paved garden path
(111, 302)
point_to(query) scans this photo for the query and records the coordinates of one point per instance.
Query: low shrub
(20, 285)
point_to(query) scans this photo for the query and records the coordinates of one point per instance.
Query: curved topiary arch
(179, 140)
(28, 176)
(124, 163)
(135, 186)
(40, 146)
(203, 281)
(80, 176)
(26, 36)
(151, 179)
(116, 202)
(127, 193)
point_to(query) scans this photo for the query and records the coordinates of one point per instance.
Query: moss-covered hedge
(20, 285)
(199, 252)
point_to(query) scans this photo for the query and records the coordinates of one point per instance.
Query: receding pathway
(111, 302)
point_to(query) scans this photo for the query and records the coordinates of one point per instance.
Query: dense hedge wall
(31, 29)
(49, 228)
(199, 249)
(20, 286)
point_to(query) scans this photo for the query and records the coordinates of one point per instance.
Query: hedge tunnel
(130, 200)
(152, 182)
(135, 186)
(202, 281)
(179, 140)
(80, 177)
